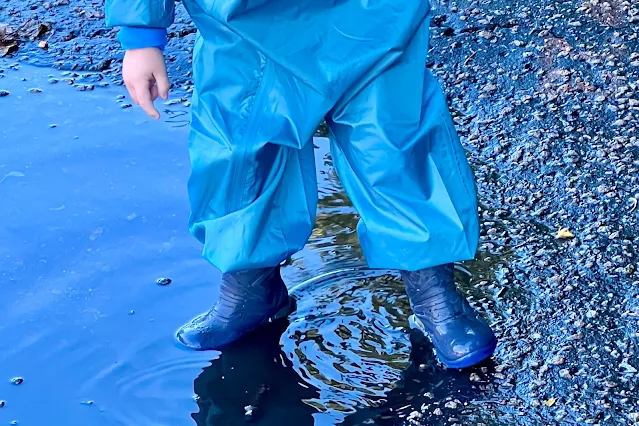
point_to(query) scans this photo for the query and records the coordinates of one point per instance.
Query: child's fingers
(163, 84)
(143, 91)
(131, 89)
(154, 93)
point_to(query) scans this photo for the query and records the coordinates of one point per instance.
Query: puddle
(95, 211)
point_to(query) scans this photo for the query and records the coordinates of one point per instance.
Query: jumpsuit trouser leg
(253, 200)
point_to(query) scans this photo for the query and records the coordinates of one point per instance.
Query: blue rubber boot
(461, 339)
(247, 300)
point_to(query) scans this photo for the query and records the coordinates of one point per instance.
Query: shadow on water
(96, 211)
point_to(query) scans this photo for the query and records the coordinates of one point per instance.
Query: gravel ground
(545, 98)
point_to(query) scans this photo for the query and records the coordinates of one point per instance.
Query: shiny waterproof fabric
(266, 73)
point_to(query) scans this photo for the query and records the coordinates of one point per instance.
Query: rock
(627, 368)
(565, 374)
(164, 281)
(249, 412)
(3, 93)
(486, 34)
(490, 88)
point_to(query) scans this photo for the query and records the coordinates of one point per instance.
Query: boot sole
(466, 361)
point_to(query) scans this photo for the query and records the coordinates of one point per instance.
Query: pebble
(17, 380)
(3, 93)
(164, 281)
(2, 403)
(438, 412)
(565, 374)
(85, 87)
(558, 360)
(489, 88)
(249, 411)
(486, 34)
(35, 90)
(627, 368)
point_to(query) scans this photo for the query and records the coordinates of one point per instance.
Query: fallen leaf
(34, 29)
(550, 402)
(7, 48)
(564, 233)
(8, 40)
(10, 37)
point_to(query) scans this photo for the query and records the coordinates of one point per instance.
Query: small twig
(634, 204)
(515, 247)
(486, 401)
(470, 58)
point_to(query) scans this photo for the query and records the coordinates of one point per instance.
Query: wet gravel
(545, 97)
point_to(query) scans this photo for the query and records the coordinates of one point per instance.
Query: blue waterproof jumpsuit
(266, 73)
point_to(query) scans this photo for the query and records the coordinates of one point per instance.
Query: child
(266, 73)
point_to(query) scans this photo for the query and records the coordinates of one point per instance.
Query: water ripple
(348, 341)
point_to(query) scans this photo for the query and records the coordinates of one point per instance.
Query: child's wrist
(142, 37)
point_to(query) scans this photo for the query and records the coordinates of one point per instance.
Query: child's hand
(144, 74)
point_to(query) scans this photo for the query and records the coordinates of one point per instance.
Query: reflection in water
(348, 339)
(334, 238)
(346, 357)
(253, 381)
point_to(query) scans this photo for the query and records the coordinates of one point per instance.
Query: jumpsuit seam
(451, 140)
(269, 57)
(239, 177)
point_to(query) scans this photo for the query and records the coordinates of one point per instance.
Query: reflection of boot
(460, 338)
(253, 382)
(247, 300)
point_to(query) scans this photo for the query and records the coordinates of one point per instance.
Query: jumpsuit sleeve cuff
(142, 37)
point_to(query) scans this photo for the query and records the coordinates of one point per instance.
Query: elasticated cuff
(141, 37)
